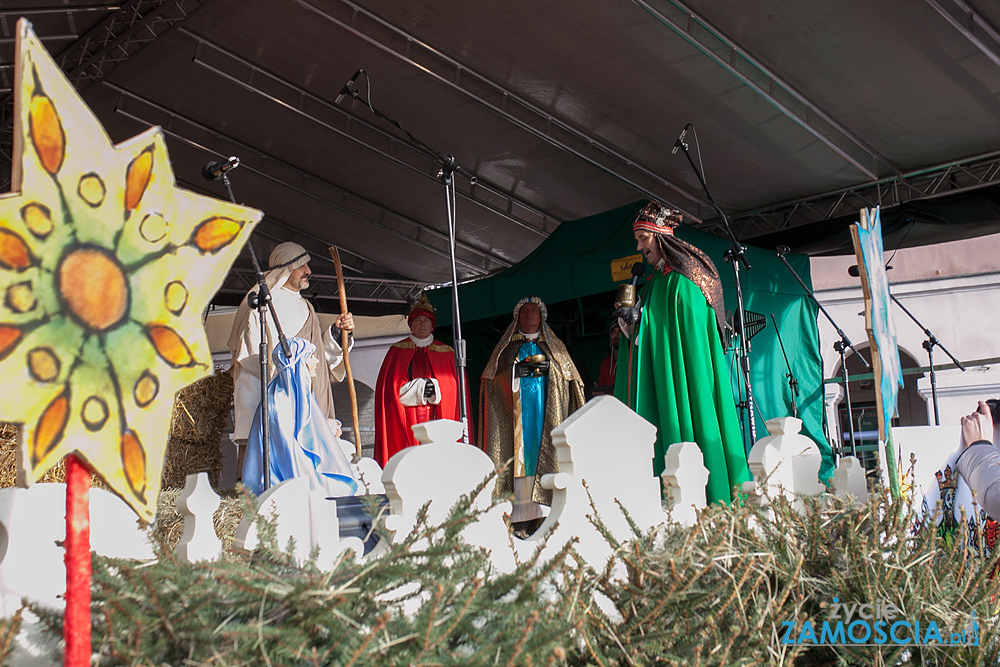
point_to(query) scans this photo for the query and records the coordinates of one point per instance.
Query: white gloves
(421, 391)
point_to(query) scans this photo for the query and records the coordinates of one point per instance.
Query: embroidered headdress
(681, 256)
(657, 219)
(423, 307)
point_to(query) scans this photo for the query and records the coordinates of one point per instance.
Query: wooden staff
(344, 343)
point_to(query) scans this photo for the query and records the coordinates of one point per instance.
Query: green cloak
(675, 376)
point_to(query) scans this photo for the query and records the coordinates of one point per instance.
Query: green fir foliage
(721, 593)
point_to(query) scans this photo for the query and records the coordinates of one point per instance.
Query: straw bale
(8, 454)
(200, 416)
(201, 408)
(170, 523)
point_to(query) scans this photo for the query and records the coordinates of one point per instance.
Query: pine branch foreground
(732, 590)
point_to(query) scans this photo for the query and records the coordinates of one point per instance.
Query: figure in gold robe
(529, 387)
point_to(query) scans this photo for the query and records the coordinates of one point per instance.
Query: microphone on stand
(680, 140)
(783, 249)
(347, 89)
(853, 270)
(213, 171)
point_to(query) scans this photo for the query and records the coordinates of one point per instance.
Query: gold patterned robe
(496, 405)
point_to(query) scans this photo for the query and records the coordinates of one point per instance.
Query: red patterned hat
(423, 307)
(657, 219)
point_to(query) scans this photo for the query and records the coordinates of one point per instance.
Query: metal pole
(930, 362)
(263, 303)
(839, 347)
(446, 175)
(793, 384)
(449, 189)
(735, 255)
(929, 345)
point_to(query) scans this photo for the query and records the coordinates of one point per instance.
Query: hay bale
(170, 524)
(201, 409)
(200, 416)
(8, 454)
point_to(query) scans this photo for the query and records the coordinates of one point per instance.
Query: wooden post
(344, 342)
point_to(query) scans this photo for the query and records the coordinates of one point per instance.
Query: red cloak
(392, 419)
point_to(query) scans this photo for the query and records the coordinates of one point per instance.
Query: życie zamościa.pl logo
(876, 624)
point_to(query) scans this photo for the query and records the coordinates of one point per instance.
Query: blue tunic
(532, 391)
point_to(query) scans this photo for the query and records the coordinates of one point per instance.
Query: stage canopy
(577, 270)
(802, 113)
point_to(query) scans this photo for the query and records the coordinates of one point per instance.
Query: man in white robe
(287, 276)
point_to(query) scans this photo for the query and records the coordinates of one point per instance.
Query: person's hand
(345, 322)
(628, 314)
(978, 425)
(311, 364)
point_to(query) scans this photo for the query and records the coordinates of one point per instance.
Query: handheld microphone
(346, 90)
(213, 171)
(680, 140)
(638, 270)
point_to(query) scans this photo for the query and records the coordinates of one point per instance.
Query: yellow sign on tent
(621, 268)
(105, 269)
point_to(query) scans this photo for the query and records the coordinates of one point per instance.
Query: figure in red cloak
(417, 383)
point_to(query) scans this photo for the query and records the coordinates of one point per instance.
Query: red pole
(76, 617)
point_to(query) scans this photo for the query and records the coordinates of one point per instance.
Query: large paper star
(105, 269)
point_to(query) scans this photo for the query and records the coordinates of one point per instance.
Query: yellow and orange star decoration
(105, 269)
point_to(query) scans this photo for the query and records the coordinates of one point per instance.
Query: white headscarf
(285, 258)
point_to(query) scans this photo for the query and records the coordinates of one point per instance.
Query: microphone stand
(793, 384)
(840, 346)
(735, 256)
(447, 169)
(929, 346)
(261, 301)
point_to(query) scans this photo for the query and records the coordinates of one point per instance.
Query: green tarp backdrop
(576, 271)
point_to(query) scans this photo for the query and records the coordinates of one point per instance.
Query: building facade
(953, 290)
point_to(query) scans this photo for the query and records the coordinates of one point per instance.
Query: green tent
(577, 270)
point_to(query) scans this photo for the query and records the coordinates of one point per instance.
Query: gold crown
(657, 218)
(423, 305)
(946, 480)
